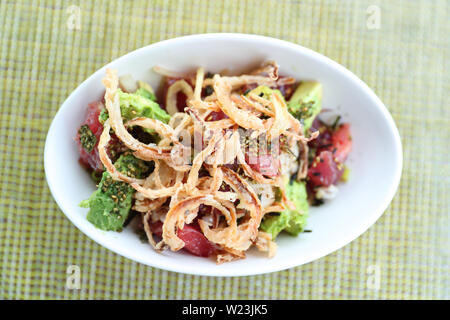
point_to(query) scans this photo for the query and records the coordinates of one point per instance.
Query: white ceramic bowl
(375, 161)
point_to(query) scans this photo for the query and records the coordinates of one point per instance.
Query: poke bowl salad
(211, 164)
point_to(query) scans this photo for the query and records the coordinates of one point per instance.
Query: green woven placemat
(45, 54)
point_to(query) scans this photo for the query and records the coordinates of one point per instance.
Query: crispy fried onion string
(112, 103)
(237, 237)
(148, 230)
(102, 150)
(176, 217)
(269, 67)
(172, 94)
(243, 118)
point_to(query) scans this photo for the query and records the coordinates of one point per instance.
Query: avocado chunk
(134, 105)
(306, 102)
(265, 92)
(87, 138)
(138, 104)
(146, 91)
(109, 205)
(146, 94)
(290, 221)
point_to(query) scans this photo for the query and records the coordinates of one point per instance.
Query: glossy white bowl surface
(375, 161)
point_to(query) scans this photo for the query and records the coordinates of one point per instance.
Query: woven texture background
(405, 61)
